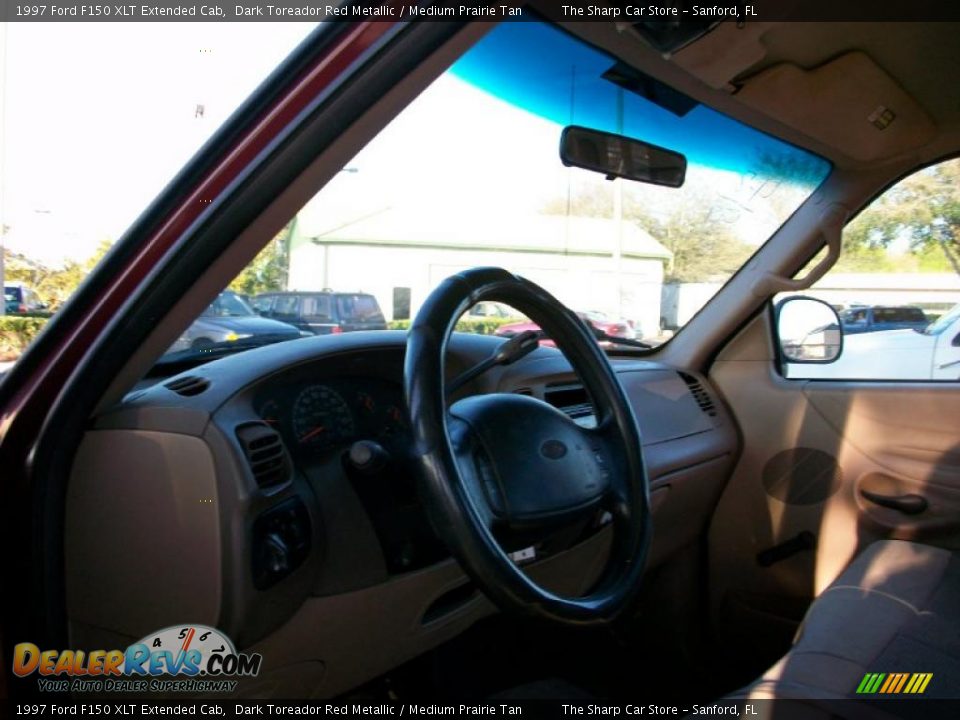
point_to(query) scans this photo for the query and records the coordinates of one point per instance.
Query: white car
(929, 354)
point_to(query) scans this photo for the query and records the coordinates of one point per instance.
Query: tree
(922, 210)
(268, 270)
(703, 247)
(54, 285)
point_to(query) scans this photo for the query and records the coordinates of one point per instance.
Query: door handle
(910, 504)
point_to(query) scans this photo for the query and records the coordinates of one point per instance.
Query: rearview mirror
(620, 156)
(809, 330)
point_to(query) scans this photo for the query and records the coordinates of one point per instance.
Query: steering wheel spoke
(477, 483)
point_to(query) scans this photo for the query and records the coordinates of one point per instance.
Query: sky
(98, 117)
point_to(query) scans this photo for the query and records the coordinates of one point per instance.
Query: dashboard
(272, 494)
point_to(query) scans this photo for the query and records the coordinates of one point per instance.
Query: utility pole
(618, 217)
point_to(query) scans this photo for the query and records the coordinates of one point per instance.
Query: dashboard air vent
(188, 386)
(265, 452)
(699, 394)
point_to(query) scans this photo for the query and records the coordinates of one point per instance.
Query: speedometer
(321, 418)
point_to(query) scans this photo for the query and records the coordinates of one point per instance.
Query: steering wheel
(513, 463)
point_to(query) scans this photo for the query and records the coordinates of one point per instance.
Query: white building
(931, 291)
(928, 290)
(395, 254)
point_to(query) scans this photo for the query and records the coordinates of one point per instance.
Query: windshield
(228, 304)
(469, 174)
(943, 322)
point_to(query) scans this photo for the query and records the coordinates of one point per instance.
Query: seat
(895, 609)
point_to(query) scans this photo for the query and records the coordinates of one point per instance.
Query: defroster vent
(188, 386)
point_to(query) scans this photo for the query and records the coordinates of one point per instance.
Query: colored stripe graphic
(894, 683)
(870, 683)
(903, 681)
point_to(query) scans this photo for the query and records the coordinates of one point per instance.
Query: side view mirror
(808, 330)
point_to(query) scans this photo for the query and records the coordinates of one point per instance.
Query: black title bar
(433, 10)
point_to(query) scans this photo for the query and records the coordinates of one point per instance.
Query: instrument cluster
(316, 417)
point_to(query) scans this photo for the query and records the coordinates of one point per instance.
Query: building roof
(553, 234)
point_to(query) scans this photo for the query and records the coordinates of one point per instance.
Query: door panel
(811, 450)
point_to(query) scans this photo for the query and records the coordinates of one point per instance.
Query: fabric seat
(896, 609)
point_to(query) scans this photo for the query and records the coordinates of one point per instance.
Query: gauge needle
(316, 431)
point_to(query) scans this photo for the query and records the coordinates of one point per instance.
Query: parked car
(19, 300)
(229, 319)
(877, 318)
(597, 320)
(931, 353)
(491, 310)
(324, 312)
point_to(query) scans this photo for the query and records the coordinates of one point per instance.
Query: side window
(262, 303)
(358, 308)
(401, 303)
(286, 306)
(316, 308)
(896, 286)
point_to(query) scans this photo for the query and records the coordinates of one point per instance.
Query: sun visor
(849, 104)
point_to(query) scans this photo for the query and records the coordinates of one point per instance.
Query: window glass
(316, 307)
(401, 303)
(897, 285)
(228, 304)
(286, 305)
(262, 303)
(358, 308)
(86, 145)
(467, 175)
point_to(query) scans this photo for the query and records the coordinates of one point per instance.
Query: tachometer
(321, 418)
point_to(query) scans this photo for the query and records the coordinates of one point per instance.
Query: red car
(598, 321)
